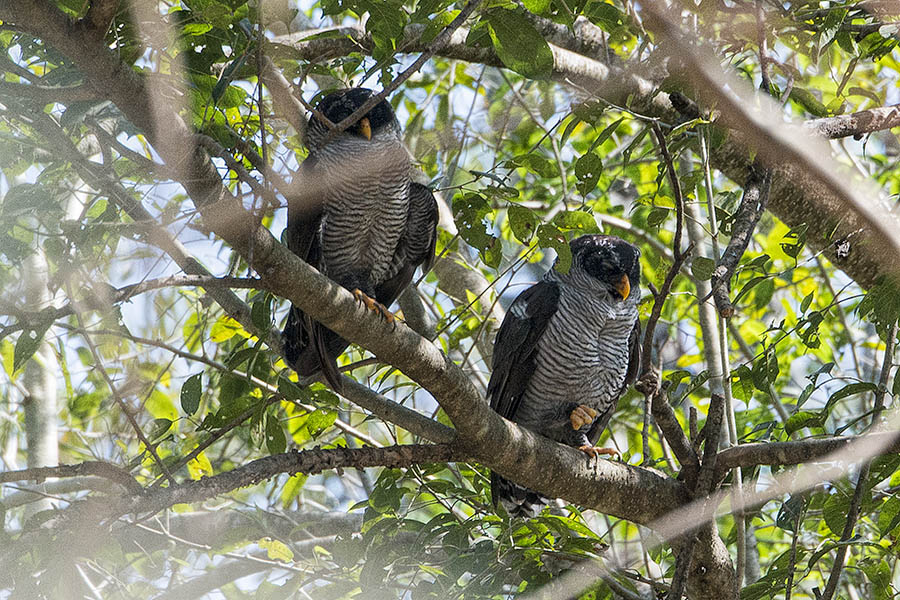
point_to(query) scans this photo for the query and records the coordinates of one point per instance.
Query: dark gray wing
(631, 375)
(416, 247)
(308, 345)
(516, 346)
(634, 356)
(306, 203)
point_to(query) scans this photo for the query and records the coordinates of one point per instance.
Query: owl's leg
(583, 416)
(374, 305)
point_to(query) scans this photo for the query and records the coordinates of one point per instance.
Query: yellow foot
(594, 451)
(582, 415)
(374, 305)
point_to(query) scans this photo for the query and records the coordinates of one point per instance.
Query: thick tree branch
(100, 469)
(636, 494)
(705, 485)
(799, 452)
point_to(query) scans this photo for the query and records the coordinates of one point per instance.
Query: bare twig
(679, 256)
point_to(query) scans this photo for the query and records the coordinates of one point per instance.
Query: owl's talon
(374, 305)
(582, 416)
(595, 451)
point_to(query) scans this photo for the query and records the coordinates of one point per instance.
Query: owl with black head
(566, 351)
(356, 215)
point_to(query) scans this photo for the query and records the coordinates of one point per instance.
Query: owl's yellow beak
(365, 128)
(623, 286)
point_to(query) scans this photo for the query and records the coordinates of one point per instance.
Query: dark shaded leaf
(519, 45)
(190, 393)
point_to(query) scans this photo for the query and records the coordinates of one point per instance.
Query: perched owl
(566, 351)
(355, 214)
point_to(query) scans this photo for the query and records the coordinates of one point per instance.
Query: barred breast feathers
(368, 199)
(583, 354)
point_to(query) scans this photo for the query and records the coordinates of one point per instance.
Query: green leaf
(835, 512)
(159, 428)
(519, 45)
(879, 574)
(576, 220)
(190, 394)
(792, 509)
(538, 7)
(261, 313)
(292, 488)
(657, 216)
(536, 164)
(807, 100)
(550, 236)
(588, 169)
(806, 302)
(850, 390)
(226, 328)
(319, 421)
(275, 440)
(193, 29)
(471, 210)
(749, 286)
(889, 516)
(606, 133)
(28, 343)
(804, 418)
(757, 591)
(522, 222)
(702, 268)
(276, 550)
(763, 293)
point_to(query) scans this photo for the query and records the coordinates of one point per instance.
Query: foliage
(524, 163)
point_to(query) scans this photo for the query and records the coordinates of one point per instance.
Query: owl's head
(612, 261)
(379, 123)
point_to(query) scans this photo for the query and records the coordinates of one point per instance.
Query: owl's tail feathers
(518, 501)
(310, 347)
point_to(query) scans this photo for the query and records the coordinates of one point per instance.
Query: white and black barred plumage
(566, 341)
(357, 216)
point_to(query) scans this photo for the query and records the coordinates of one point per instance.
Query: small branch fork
(753, 205)
(706, 484)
